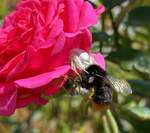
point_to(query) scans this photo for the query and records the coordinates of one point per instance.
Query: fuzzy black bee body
(102, 95)
(94, 77)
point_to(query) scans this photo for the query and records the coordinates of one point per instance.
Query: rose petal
(34, 98)
(22, 102)
(6, 89)
(11, 64)
(42, 79)
(55, 86)
(8, 103)
(79, 4)
(88, 16)
(70, 16)
(51, 11)
(100, 9)
(59, 44)
(55, 32)
(100, 60)
(40, 101)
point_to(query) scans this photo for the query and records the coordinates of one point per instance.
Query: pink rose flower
(35, 43)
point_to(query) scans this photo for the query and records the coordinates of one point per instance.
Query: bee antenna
(99, 76)
(86, 71)
(73, 79)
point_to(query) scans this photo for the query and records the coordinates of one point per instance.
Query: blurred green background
(123, 36)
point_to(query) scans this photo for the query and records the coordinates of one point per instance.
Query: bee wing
(118, 85)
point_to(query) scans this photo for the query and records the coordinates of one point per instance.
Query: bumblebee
(93, 81)
(102, 85)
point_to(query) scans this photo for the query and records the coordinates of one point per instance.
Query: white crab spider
(80, 60)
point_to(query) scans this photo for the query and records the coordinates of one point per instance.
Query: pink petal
(11, 64)
(100, 10)
(55, 86)
(40, 101)
(88, 15)
(100, 60)
(33, 98)
(79, 4)
(42, 79)
(70, 16)
(8, 103)
(20, 66)
(22, 102)
(52, 4)
(86, 40)
(6, 89)
(59, 44)
(55, 31)
(31, 63)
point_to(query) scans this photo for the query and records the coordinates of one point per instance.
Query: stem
(103, 21)
(114, 111)
(105, 124)
(103, 30)
(28, 122)
(112, 122)
(115, 29)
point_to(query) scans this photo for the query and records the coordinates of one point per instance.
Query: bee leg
(87, 100)
(84, 104)
(68, 85)
(74, 68)
(91, 93)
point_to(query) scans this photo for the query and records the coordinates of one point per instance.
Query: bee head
(96, 71)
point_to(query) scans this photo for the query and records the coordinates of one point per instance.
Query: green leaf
(125, 54)
(137, 116)
(141, 113)
(112, 3)
(142, 35)
(141, 86)
(139, 16)
(114, 70)
(126, 57)
(143, 65)
(100, 36)
(129, 58)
